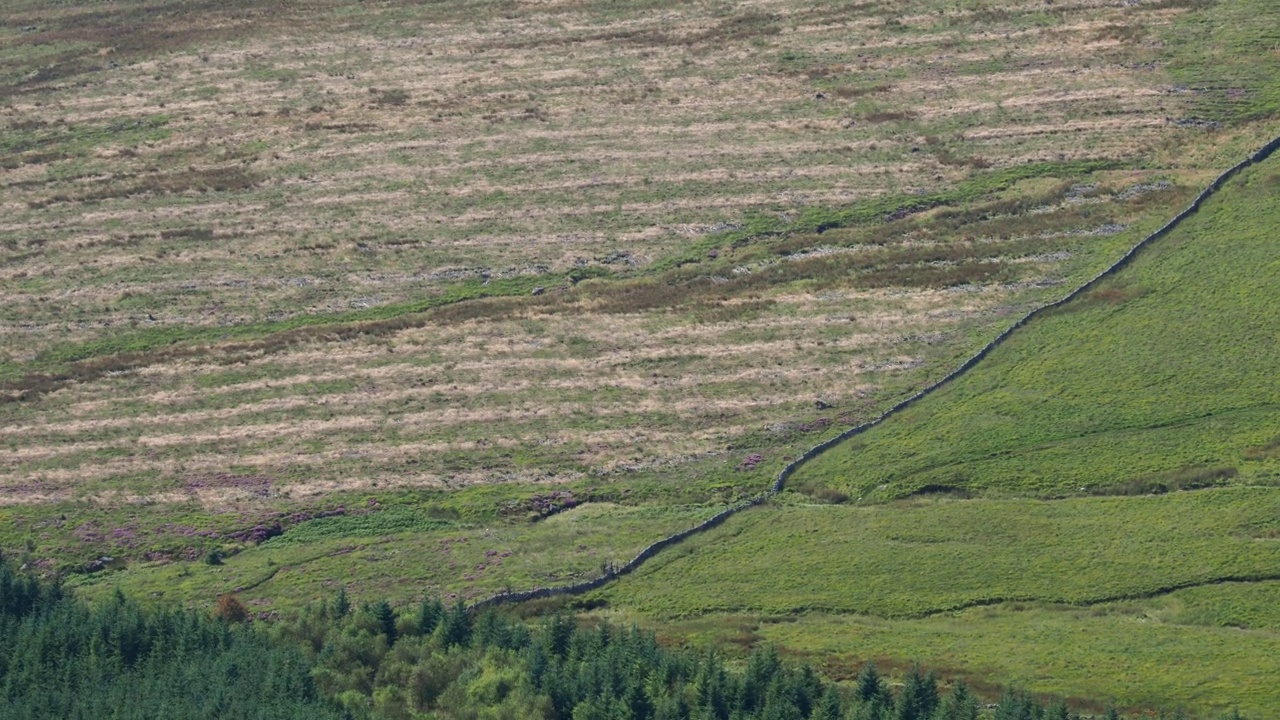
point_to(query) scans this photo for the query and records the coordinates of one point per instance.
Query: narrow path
(989, 601)
(293, 565)
(786, 472)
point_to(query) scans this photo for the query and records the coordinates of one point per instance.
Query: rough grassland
(915, 581)
(402, 554)
(294, 254)
(923, 557)
(1163, 377)
(1130, 652)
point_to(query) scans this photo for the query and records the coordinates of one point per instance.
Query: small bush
(1187, 478)
(230, 609)
(823, 494)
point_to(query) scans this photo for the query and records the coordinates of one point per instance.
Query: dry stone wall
(780, 482)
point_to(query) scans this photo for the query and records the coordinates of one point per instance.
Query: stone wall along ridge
(780, 482)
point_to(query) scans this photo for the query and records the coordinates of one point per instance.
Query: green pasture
(923, 557)
(1163, 375)
(1129, 653)
(403, 554)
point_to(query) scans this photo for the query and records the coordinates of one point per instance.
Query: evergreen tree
(559, 632)
(456, 626)
(430, 613)
(919, 697)
(829, 707)
(1057, 710)
(1014, 705)
(959, 705)
(762, 667)
(386, 618)
(870, 689)
(341, 604)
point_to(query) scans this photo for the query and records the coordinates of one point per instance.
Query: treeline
(60, 658)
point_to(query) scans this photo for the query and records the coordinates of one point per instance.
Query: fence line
(786, 472)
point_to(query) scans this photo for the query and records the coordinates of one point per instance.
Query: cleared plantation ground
(292, 161)
(274, 191)
(1161, 378)
(687, 374)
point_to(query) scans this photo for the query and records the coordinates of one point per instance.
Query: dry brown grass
(334, 160)
(277, 164)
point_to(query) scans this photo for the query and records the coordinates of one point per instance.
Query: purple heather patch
(257, 484)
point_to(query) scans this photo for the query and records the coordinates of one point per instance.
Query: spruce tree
(1057, 710)
(341, 604)
(919, 696)
(456, 628)
(959, 705)
(829, 707)
(430, 612)
(870, 689)
(386, 618)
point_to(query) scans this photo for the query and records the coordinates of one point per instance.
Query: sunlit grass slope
(1133, 653)
(1160, 378)
(918, 558)
(403, 553)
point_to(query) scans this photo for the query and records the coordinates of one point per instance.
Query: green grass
(922, 557)
(1242, 606)
(1227, 53)
(1116, 652)
(1161, 379)
(403, 553)
(391, 521)
(1166, 370)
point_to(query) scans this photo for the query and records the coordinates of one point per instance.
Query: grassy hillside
(361, 294)
(1159, 380)
(1138, 654)
(402, 553)
(1162, 377)
(236, 253)
(927, 557)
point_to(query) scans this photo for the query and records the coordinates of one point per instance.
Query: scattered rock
(1194, 122)
(1144, 188)
(819, 424)
(616, 258)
